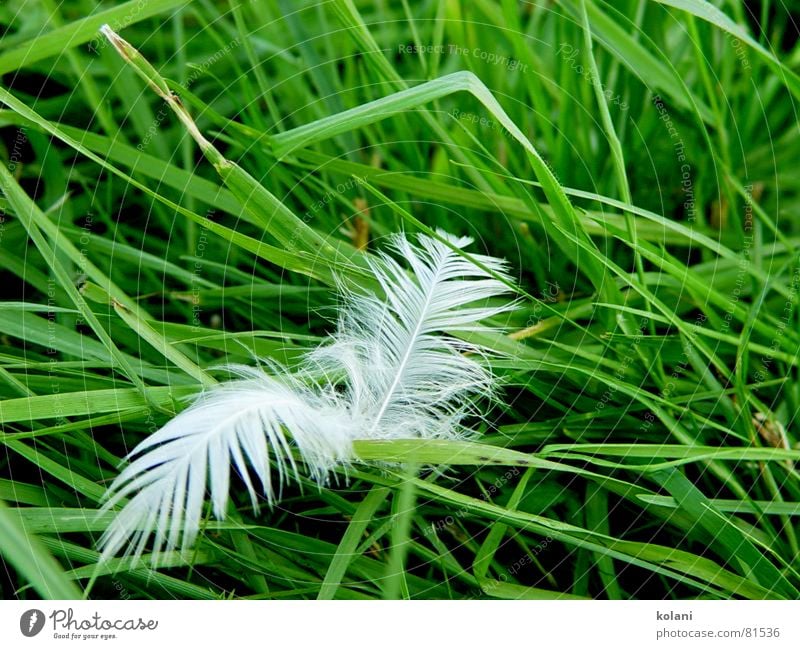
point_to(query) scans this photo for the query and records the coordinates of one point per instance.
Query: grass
(635, 163)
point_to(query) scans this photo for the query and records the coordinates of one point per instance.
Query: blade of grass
(23, 551)
(346, 550)
(81, 31)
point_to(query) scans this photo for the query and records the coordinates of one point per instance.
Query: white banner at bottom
(235, 624)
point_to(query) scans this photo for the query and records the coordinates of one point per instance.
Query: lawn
(213, 183)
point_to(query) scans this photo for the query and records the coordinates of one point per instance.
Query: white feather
(388, 372)
(242, 422)
(404, 377)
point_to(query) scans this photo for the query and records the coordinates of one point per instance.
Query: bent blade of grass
(563, 212)
(375, 57)
(666, 226)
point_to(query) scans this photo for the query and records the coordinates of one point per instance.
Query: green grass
(634, 161)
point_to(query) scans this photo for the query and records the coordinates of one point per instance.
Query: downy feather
(243, 423)
(404, 378)
(388, 372)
